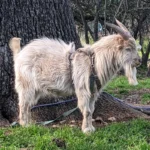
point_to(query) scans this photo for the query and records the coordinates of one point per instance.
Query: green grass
(146, 98)
(119, 86)
(133, 135)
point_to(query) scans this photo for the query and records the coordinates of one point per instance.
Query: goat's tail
(14, 45)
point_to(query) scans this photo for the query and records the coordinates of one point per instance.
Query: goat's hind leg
(25, 102)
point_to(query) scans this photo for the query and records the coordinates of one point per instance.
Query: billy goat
(49, 67)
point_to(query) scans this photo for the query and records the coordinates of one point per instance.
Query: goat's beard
(130, 73)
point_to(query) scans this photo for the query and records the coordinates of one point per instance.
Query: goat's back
(43, 65)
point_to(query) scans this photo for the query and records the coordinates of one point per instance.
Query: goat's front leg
(83, 104)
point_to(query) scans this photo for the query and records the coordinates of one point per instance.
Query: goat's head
(129, 57)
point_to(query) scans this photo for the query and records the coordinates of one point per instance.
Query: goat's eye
(128, 49)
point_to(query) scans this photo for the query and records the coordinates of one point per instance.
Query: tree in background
(134, 14)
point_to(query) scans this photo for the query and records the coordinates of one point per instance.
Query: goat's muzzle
(137, 62)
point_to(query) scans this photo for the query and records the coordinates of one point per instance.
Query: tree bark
(29, 19)
(145, 56)
(96, 19)
(84, 22)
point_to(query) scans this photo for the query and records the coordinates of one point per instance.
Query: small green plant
(145, 98)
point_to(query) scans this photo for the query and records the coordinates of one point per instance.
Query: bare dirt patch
(135, 96)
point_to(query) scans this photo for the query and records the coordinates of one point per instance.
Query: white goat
(42, 68)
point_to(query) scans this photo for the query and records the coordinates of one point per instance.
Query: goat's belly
(54, 85)
(57, 93)
(61, 91)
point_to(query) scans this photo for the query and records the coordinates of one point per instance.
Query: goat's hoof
(24, 124)
(88, 130)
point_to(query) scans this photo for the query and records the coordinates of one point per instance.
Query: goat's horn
(125, 35)
(121, 25)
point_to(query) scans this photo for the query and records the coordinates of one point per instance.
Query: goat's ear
(72, 47)
(128, 49)
(121, 25)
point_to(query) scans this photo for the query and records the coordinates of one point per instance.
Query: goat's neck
(107, 68)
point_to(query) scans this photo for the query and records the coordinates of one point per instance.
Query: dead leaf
(8, 132)
(112, 119)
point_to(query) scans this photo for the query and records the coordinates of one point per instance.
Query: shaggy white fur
(42, 69)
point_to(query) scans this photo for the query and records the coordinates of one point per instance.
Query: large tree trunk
(8, 98)
(28, 19)
(31, 19)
